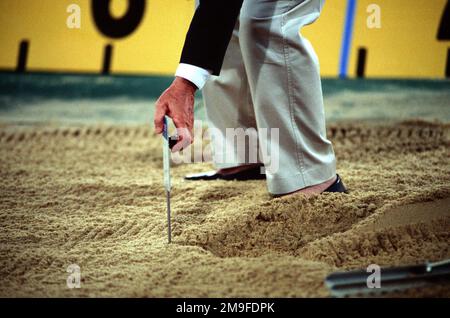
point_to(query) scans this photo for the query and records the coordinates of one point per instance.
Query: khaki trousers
(270, 80)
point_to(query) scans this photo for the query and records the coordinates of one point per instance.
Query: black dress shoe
(248, 174)
(337, 186)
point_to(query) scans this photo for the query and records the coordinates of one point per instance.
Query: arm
(209, 33)
(204, 49)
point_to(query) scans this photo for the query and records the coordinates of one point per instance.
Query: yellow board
(153, 48)
(326, 35)
(404, 46)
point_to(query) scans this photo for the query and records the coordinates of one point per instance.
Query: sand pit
(93, 196)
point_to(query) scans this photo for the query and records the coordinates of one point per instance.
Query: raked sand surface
(93, 196)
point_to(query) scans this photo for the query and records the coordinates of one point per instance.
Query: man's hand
(177, 102)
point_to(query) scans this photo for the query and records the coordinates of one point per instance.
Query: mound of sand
(93, 196)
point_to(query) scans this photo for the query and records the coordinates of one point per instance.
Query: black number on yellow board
(444, 34)
(117, 27)
(22, 57)
(444, 27)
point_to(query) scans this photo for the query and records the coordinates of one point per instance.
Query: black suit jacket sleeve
(210, 33)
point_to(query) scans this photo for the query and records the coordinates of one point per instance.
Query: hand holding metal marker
(168, 143)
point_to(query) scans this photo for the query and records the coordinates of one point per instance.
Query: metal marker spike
(167, 185)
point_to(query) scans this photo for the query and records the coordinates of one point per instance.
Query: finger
(185, 138)
(160, 112)
(181, 122)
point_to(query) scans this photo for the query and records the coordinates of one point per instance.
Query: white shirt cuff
(194, 74)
